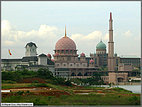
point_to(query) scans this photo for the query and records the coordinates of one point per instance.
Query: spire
(110, 16)
(65, 31)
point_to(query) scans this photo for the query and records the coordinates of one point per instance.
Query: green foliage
(91, 99)
(60, 81)
(7, 86)
(35, 81)
(17, 75)
(44, 73)
(28, 92)
(68, 83)
(20, 92)
(39, 85)
(8, 81)
(134, 100)
(120, 90)
(95, 80)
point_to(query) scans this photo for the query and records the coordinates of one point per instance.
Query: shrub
(44, 73)
(8, 81)
(27, 91)
(20, 92)
(68, 83)
(35, 81)
(39, 85)
(134, 100)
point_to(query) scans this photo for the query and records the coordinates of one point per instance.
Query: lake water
(133, 88)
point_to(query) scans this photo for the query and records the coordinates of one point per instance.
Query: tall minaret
(111, 62)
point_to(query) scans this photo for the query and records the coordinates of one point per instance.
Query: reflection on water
(133, 88)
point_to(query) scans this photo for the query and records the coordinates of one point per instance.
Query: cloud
(106, 37)
(7, 42)
(5, 25)
(11, 36)
(46, 37)
(128, 33)
(90, 37)
(87, 42)
(15, 39)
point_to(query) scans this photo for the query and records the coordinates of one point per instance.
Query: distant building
(134, 60)
(125, 67)
(31, 61)
(67, 63)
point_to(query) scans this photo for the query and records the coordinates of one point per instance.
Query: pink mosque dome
(49, 55)
(82, 54)
(52, 60)
(91, 61)
(65, 43)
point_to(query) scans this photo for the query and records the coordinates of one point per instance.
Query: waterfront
(133, 88)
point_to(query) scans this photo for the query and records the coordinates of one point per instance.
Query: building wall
(125, 67)
(10, 65)
(134, 61)
(31, 51)
(114, 77)
(70, 65)
(42, 60)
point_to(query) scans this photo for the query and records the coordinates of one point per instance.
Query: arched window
(79, 74)
(66, 51)
(86, 74)
(73, 74)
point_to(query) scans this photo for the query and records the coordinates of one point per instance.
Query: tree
(45, 73)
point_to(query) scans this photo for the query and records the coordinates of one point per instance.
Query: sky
(87, 22)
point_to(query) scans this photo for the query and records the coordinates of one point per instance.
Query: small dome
(42, 55)
(52, 60)
(65, 43)
(82, 54)
(31, 44)
(91, 61)
(101, 45)
(49, 55)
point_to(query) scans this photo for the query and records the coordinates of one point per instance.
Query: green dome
(101, 45)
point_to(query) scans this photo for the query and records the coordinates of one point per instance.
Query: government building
(67, 63)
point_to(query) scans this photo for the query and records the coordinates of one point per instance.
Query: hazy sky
(87, 23)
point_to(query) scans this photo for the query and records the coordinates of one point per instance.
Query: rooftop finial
(65, 31)
(110, 16)
(101, 39)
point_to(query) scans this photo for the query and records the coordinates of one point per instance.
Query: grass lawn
(90, 99)
(95, 96)
(8, 86)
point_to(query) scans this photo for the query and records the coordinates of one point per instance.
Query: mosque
(67, 63)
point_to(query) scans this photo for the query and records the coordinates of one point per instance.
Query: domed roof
(30, 44)
(101, 45)
(42, 55)
(65, 43)
(82, 54)
(52, 60)
(91, 61)
(49, 55)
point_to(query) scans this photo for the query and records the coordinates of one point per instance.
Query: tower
(111, 62)
(42, 59)
(30, 49)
